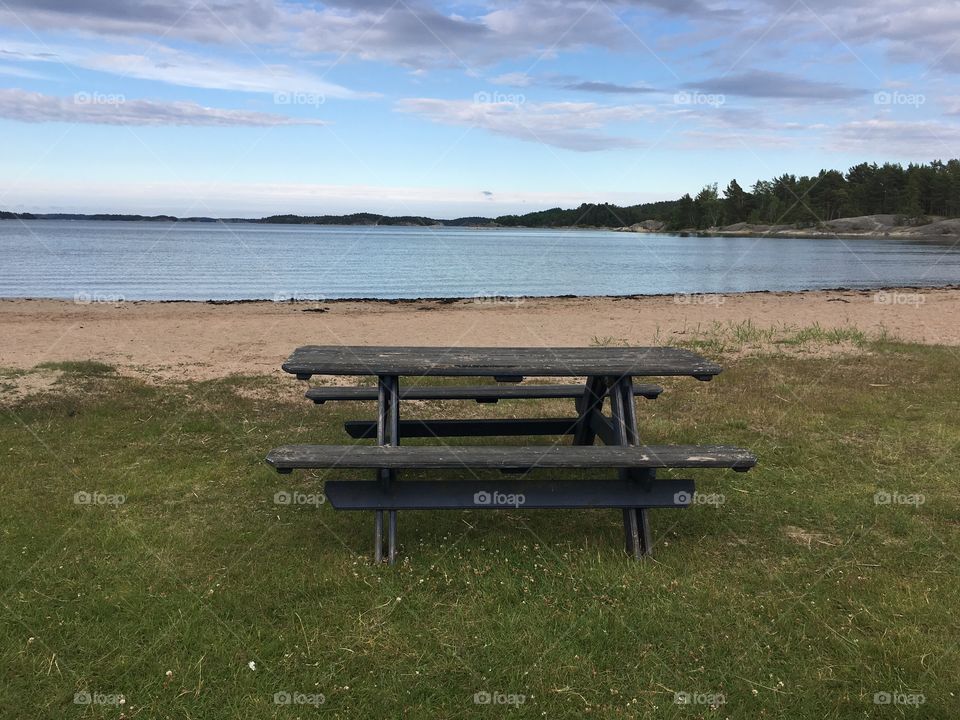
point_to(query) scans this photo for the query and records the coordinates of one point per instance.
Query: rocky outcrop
(896, 226)
(647, 226)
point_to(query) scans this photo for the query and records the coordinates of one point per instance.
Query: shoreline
(950, 233)
(191, 340)
(812, 235)
(483, 299)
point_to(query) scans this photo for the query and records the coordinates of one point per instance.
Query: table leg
(617, 415)
(636, 528)
(392, 537)
(378, 537)
(633, 435)
(388, 419)
(592, 399)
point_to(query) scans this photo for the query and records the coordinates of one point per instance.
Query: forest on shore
(915, 191)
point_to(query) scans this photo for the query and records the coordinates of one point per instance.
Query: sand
(184, 340)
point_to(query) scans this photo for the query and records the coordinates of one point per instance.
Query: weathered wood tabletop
(497, 361)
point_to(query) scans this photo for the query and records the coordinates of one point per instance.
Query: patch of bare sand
(17, 387)
(184, 341)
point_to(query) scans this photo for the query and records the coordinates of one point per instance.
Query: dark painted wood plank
(474, 361)
(510, 456)
(507, 494)
(479, 393)
(602, 427)
(491, 427)
(594, 392)
(620, 436)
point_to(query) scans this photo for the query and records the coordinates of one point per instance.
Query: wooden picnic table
(609, 373)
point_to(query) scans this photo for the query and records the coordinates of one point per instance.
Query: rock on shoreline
(893, 226)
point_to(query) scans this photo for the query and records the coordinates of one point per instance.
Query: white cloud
(414, 33)
(921, 140)
(223, 21)
(110, 109)
(699, 140)
(513, 79)
(769, 84)
(192, 71)
(424, 33)
(176, 67)
(567, 125)
(20, 72)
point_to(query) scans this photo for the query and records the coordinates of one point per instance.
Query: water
(194, 261)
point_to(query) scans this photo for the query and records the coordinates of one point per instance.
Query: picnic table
(609, 373)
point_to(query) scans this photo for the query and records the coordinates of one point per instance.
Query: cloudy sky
(250, 107)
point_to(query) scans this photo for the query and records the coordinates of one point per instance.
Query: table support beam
(636, 527)
(589, 403)
(388, 420)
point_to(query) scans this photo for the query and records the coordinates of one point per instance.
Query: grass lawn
(180, 584)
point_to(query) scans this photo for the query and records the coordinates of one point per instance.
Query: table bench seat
(479, 393)
(527, 494)
(290, 457)
(485, 427)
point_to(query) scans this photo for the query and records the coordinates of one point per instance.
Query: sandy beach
(186, 340)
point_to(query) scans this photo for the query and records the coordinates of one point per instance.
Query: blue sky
(253, 107)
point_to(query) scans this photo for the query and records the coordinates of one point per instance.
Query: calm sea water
(191, 261)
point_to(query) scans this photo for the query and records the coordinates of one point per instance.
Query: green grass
(608, 341)
(745, 336)
(798, 597)
(8, 379)
(79, 367)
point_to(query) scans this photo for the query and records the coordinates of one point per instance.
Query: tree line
(915, 191)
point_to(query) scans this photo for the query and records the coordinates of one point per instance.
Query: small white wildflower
(252, 665)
